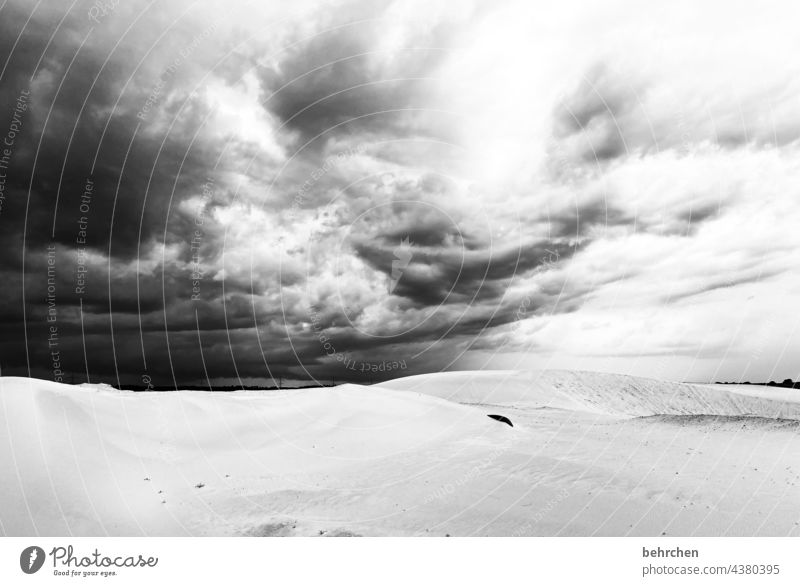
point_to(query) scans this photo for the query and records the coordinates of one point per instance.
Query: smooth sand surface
(589, 454)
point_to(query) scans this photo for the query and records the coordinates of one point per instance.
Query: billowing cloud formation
(355, 190)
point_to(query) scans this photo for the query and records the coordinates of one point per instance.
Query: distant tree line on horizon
(787, 383)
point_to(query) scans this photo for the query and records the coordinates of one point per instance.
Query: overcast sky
(363, 190)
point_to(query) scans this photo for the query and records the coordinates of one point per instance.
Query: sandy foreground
(589, 454)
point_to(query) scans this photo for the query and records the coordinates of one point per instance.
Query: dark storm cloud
(415, 345)
(464, 330)
(78, 135)
(594, 217)
(332, 83)
(426, 232)
(82, 178)
(592, 124)
(578, 222)
(455, 275)
(114, 149)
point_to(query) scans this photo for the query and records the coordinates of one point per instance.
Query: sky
(323, 191)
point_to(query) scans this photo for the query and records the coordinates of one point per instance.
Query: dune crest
(610, 394)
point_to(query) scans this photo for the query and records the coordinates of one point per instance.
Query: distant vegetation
(214, 389)
(788, 384)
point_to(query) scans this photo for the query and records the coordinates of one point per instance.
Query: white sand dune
(588, 454)
(612, 394)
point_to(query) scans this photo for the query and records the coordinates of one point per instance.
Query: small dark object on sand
(502, 418)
